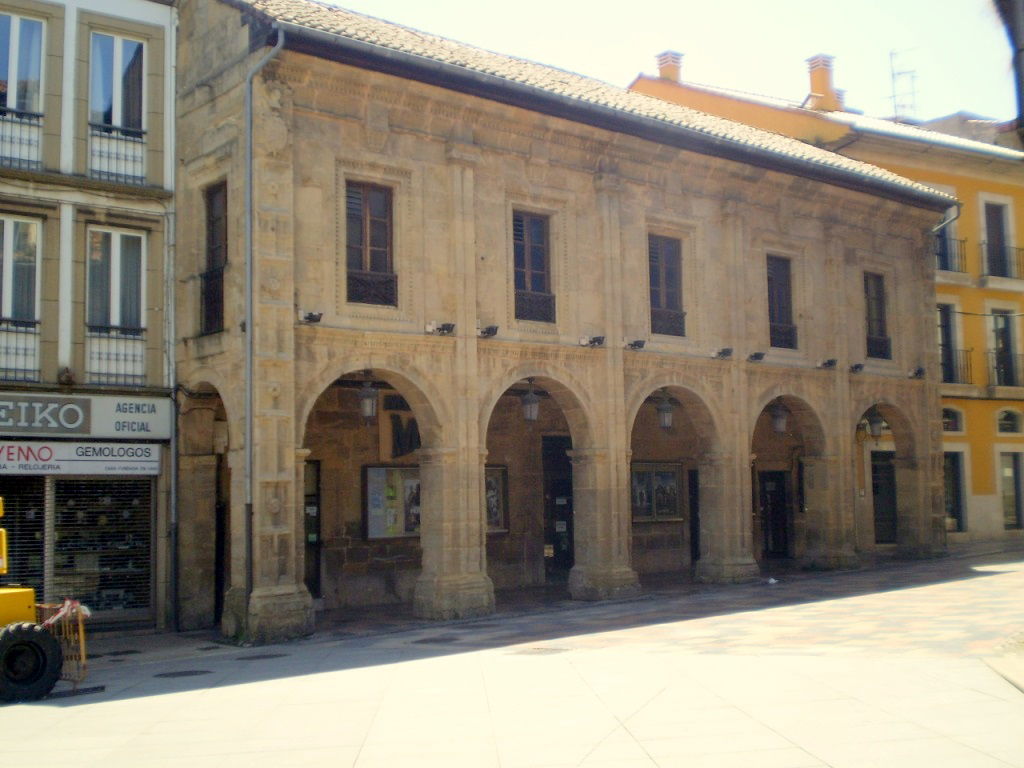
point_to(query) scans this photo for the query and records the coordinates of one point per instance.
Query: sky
(951, 55)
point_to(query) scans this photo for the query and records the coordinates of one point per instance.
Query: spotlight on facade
(531, 403)
(664, 409)
(488, 331)
(875, 422)
(445, 329)
(856, 367)
(780, 417)
(722, 354)
(828, 364)
(312, 317)
(592, 341)
(755, 357)
(368, 401)
(636, 344)
(917, 373)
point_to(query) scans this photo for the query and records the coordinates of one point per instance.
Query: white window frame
(7, 256)
(960, 416)
(117, 86)
(1020, 421)
(13, 56)
(114, 321)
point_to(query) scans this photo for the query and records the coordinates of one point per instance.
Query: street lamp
(368, 401)
(664, 409)
(531, 403)
(780, 417)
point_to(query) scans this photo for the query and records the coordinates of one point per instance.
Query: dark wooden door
(311, 516)
(883, 492)
(774, 495)
(221, 537)
(953, 481)
(558, 533)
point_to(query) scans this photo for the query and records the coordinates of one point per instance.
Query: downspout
(249, 301)
(947, 221)
(170, 329)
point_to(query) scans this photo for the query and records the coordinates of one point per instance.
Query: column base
(274, 614)
(602, 583)
(830, 561)
(732, 571)
(453, 597)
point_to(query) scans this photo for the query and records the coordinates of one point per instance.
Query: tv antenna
(904, 90)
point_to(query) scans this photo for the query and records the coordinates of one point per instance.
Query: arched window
(951, 420)
(1009, 421)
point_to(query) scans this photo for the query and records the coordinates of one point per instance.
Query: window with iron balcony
(781, 329)
(879, 345)
(19, 299)
(532, 265)
(117, 136)
(211, 301)
(371, 278)
(665, 268)
(115, 346)
(21, 92)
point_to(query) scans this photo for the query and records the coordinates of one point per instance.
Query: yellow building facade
(979, 284)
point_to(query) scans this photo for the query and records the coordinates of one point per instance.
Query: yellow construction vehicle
(36, 640)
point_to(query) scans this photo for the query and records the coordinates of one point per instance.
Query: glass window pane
(98, 300)
(378, 260)
(30, 51)
(101, 84)
(520, 255)
(520, 280)
(537, 230)
(131, 281)
(354, 231)
(537, 283)
(355, 258)
(538, 259)
(378, 234)
(23, 288)
(5, 56)
(131, 84)
(379, 203)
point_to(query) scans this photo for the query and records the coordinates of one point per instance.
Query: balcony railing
(1002, 261)
(115, 355)
(782, 335)
(879, 346)
(21, 135)
(535, 306)
(19, 350)
(950, 255)
(373, 287)
(956, 365)
(669, 322)
(117, 154)
(1004, 369)
(211, 301)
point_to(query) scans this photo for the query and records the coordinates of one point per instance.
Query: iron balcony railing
(117, 154)
(956, 365)
(373, 287)
(21, 139)
(782, 335)
(1002, 261)
(669, 322)
(531, 305)
(115, 355)
(211, 301)
(950, 255)
(19, 350)
(880, 347)
(1004, 369)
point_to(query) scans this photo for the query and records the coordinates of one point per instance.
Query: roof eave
(345, 50)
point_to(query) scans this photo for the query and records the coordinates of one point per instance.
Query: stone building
(86, 213)
(451, 322)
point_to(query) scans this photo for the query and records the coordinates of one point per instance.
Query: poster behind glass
(392, 502)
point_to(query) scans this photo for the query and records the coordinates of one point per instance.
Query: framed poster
(391, 502)
(656, 492)
(496, 498)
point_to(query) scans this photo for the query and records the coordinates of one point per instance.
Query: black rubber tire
(30, 662)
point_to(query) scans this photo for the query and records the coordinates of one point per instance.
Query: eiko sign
(145, 418)
(54, 458)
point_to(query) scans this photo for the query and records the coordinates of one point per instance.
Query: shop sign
(131, 418)
(54, 458)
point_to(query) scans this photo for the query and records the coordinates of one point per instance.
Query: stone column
(825, 542)
(197, 497)
(453, 583)
(600, 529)
(914, 513)
(725, 522)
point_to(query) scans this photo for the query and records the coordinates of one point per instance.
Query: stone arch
(804, 415)
(903, 433)
(549, 377)
(705, 418)
(422, 394)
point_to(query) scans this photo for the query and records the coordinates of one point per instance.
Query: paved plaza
(916, 664)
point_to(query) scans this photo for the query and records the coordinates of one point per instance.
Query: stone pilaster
(601, 530)
(822, 539)
(454, 582)
(726, 552)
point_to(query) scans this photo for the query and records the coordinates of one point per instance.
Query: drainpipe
(170, 327)
(947, 221)
(249, 301)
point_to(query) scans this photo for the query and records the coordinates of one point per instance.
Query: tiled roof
(584, 90)
(875, 125)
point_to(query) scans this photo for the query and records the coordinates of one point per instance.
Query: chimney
(670, 64)
(823, 96)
